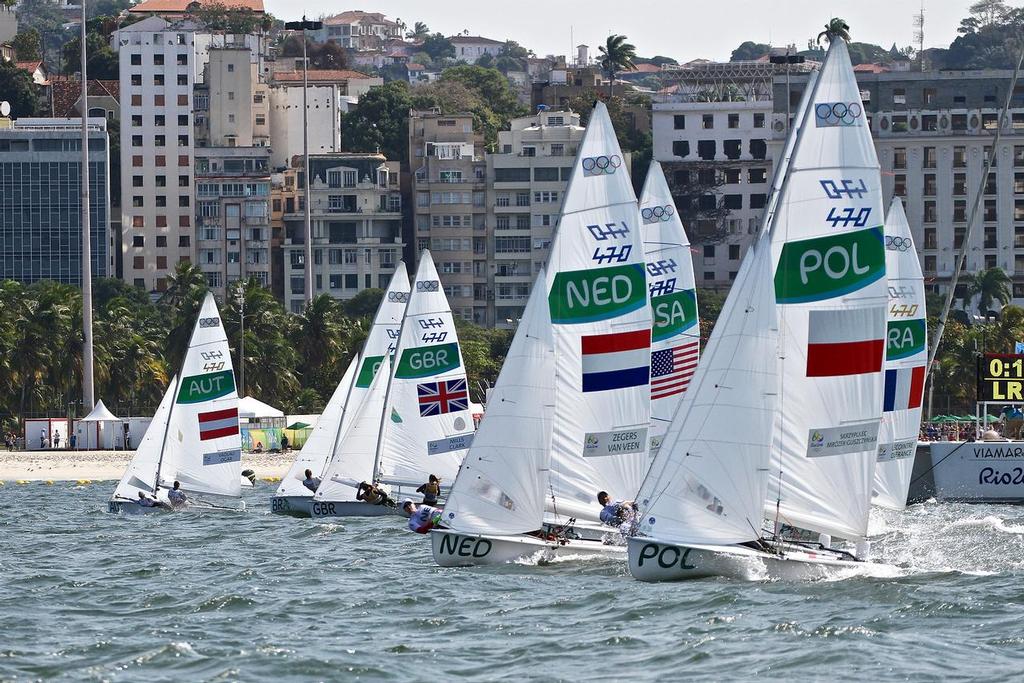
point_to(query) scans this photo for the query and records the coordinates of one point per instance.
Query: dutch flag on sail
(616, 361)
(218, 423)
(903, 388)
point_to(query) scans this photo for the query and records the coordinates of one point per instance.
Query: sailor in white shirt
(310, 482)
(176, 496)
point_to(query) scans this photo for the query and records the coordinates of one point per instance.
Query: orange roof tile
(181, 6)
(319, 75)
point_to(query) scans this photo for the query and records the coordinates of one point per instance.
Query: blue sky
(683, 29)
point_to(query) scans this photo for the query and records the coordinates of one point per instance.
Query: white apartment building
(359, 30)
(356, 216)
(471, 48)
(324, 107)
(158, 64)
(528, 175)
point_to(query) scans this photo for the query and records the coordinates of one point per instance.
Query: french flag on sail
(616, 361)
(845, 342)
(903, 388)
(218, 423)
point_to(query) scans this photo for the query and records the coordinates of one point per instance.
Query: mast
(167, 427)
(88, 391)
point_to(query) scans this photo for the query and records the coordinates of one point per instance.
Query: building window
(161, 221)
(929, 185)
(899, 96)
(758, 149)
(161, 200)
(758, 120)
(706, 149)
(136, 58)
(756, 176)
(758, 201)
(182, 79)
(182, 59)
(136, 181)
(734, 121)
(929, 158)
(183, 181)
(680, 148)
(161, 240)
(679, 122)
(261, 120)
(959, 157)
(160, 140)
(733, 201)
(158, 100)
(158, 80)
(136, 141)
(136, 79)
(708, 121)
(138, 241)
(899, 157)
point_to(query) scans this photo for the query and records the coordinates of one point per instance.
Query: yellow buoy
(83, 482)
(49, 482)
(23, 481)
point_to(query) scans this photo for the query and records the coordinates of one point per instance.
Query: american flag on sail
(671, 369)
(446, 396)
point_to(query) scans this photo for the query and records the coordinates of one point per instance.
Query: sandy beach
(108, 465)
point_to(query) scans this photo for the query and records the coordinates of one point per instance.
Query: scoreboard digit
(1001, 377)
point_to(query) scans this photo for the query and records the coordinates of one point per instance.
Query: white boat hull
(454, 549)
(651, 560)
(348, 508)
(295, 506)
(129, 507)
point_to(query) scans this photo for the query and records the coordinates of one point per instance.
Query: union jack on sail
(445, 396)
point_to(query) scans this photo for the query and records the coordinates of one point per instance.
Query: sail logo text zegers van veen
(582, 296)
(825, 267)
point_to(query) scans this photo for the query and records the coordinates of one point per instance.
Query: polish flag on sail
(903, 388)
(845, 342)
(616, 361)
(218, 423)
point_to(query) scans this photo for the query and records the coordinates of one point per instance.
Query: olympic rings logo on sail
(656, 214)
(427, 286)
(897, 243)
(832, 114)
(209, 322)
(398, 297)
(602, 165)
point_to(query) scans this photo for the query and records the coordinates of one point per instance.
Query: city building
(8, 23)
(40, 215)
(933, 132)
(528, 176)
(232, 170)
(324, 105)
(711, 132)
(158, 64)
(449, 190)
(104, 98)
(358, 30)
(356, 218)
(471, 48)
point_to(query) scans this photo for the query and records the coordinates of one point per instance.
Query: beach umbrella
(298, 425)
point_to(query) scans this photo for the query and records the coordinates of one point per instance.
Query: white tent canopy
(100, 414)
(254, 409)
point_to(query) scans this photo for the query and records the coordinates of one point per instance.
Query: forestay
(597, 297)
(675, 336)
(905, 360)
(141, 472)
(502, 484)
(427, 423)
(829, 277)
(348, 397)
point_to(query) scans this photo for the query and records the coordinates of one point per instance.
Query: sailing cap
(407, 501)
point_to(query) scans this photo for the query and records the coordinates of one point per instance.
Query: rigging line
(918, 477)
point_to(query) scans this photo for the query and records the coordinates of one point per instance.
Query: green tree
(102, 64)
(18, 89)
(327, 55)
(496, 103)
(419, 31)
(749, 51)
(381, 121)
(616, 56)
(989, 285)
(270, 356)
(364, 304)
(438, 47)
(28, 46)
(835, 28)
(512, 57)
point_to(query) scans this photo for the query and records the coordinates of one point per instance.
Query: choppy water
(254, 596)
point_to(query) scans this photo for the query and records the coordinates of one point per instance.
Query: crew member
(310, 482)
(615, 513)
(431, 490)
(176, 496)
(372, 494)
(422, 518)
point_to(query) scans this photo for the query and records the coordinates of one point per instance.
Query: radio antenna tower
(919, 36)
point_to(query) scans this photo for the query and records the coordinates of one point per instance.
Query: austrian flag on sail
(842, 342)
(218, 423)
(615, 361)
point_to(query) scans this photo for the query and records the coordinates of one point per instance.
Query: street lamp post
(303, 26)
(240, 299)
(787, 59)
(88, 393)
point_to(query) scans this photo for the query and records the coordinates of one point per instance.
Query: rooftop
(182, 6)
(354, 15)
(67, 92)
(331, 75)
(475, 40)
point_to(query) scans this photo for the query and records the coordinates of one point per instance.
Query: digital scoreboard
(1001, 378)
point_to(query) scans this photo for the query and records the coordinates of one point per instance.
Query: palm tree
(616, 55)
(989, 285)
(836, 28)
(419, 31)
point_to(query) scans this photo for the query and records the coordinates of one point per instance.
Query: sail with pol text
(830, 292)
(906, 357)
(598, 304)
(675, 337)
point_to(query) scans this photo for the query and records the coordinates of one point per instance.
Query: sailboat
(516, 495)
(292, 497)
(905, 360)
(675, 337)
(194, 436)
(783, 413)
(415, 420)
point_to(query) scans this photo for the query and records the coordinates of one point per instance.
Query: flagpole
(88, 392)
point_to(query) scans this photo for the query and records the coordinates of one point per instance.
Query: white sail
(675, 337)
(829, 279)
(141, 472)
(597, 296)
(339, 412)
(354, 458)
(502, 484)
(427, 423)
(709, 478)
(905, 361)
(316, 452)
